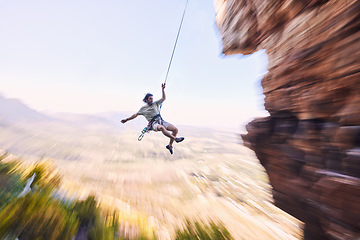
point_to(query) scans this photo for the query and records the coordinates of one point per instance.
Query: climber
(151, 111)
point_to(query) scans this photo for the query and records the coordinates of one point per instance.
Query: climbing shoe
(170, 148)
(180, 139)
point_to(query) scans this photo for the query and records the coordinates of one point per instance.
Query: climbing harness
(158, 117)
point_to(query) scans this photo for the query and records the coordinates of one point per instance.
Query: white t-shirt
(150, 111)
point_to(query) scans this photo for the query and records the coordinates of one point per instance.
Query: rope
(177, 37)
(147, 128)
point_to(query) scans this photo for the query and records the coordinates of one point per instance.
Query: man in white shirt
(151, 111)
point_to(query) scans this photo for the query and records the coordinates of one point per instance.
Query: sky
(88, 56)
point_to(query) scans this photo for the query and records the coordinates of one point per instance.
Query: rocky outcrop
(310, 143)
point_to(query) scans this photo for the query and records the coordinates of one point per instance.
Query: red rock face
(310, 144)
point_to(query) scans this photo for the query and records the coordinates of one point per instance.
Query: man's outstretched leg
(174, 131)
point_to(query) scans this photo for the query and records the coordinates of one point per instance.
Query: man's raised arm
(163, 92)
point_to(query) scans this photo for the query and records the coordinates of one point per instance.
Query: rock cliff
(310, 143)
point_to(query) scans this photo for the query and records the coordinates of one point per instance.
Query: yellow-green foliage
(141, 222)
(47, 175)
(35, 216)
(10, 184)
(92, 218)
(87, 211)
(199, 231)
(104, 229)
(41, 216)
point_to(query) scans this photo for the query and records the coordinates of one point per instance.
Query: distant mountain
(14, 111)
(80, 118)
(115, 117)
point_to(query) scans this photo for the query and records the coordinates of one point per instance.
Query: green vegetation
(10, 184)
(202, 231)
(97, 223)
(37, 216)
(41, 215)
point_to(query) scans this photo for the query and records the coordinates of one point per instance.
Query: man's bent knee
(160, 128)
(175, 131)
(172, 128)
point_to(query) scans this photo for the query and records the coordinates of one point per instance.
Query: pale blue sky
(96, 56)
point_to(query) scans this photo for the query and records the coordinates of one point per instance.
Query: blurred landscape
(210, 177)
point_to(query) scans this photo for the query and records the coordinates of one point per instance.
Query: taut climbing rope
(148, 127)
(177, 37)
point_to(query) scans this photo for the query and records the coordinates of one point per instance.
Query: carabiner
(141, 136)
